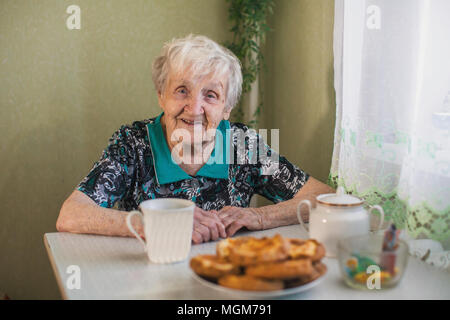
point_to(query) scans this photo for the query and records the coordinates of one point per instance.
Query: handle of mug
(299, 216)
(381, 211)
(130, 226)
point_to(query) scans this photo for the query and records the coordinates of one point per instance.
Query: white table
(117, 268)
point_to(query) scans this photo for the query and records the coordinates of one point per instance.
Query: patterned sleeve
(276, 179)
(111, 177)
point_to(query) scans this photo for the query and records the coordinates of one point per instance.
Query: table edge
(55, 269)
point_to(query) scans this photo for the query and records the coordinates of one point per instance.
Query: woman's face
(193, 103)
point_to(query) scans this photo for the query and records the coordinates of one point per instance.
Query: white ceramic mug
(337, 216)
(168, 225)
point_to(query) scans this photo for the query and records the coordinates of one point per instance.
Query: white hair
(201, 56)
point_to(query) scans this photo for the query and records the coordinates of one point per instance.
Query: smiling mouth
(191, 122)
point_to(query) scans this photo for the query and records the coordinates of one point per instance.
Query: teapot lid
(340, 198)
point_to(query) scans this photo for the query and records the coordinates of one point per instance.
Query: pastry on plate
(249, 250)
(249, 283)
(310, 249)
(319, 269)
(224, 246)
(262, 264)
(212, 267)
(281, 270)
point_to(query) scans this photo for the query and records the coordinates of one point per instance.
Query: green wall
(298, 87)
(64, 92)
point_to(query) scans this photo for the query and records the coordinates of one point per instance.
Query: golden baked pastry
(245, 282)
(319, 269)
(262, 264)
(223, 247)
(250, 250)
(281, 270)
(310, 249)
(213, 267)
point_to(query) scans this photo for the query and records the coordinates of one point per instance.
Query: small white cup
(168, 225)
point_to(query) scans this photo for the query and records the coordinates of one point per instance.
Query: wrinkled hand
(207, 226)
(234, 218)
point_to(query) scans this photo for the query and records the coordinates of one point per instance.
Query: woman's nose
(195, 106)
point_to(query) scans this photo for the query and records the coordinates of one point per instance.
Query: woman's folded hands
(212, 225)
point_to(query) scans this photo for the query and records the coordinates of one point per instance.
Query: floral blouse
(137, 166)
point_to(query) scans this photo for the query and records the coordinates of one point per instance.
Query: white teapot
(337, 215)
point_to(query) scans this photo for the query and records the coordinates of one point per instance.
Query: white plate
(258, 294)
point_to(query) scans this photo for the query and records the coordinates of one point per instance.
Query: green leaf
(249, 29)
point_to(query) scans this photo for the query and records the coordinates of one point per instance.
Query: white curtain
(392, 138)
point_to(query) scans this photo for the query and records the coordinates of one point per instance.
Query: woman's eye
(211, 95)
(182, 90)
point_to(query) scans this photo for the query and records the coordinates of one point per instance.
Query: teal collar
(167, 171)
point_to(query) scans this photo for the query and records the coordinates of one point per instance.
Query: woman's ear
(160, 98)
(226, 114)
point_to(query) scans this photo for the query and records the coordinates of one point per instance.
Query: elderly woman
(198, 83)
